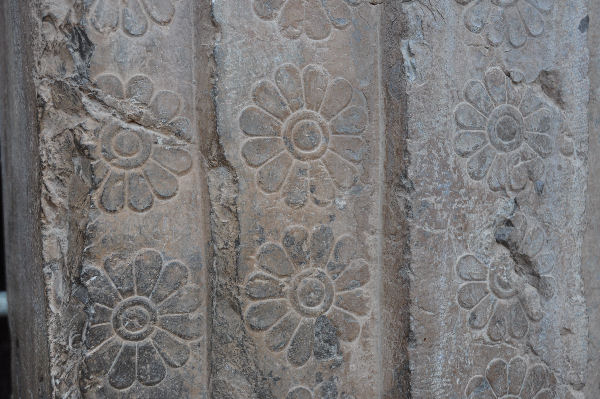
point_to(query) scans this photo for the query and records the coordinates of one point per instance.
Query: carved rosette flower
(504, 134)
(135, 165)
(142, 318)
(512, 380)
(304, 134)
(314, 18)
(132, 16)
(506, 297)
(514, 20)
(306, 294)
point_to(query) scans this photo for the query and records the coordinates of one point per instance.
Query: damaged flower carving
(142, 318)
(136, 165)
(504, 134)
(307, 294)
(513, 380)
(131, 15)
(512, 19)
(304, 134)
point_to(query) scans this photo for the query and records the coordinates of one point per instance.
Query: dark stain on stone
(584, 24)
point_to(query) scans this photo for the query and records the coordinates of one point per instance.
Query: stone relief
(314, 18)
(133, 165)
(306, 293)
(515, 380)
(511, 20)
(504, 132)
(142, 318)
(304, 135)
(324, 390)
(132, 16)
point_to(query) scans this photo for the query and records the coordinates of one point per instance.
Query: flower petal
(267, 9)
(255, 122)
(470, 294)
(497, 375)
(184, 326)
(110, 84)
(355, 301)
(532, 243)
(476, 15)
(516, 31)
(113, 192)
(301, 346)
(150, 367)
(261, 286)
(516, 374)
(355, 276)
(518, 177)
(467, 142)
(326, 344)
(321, 185)
(547, 287)
(185, 300)
(337, 97)
(545, 394)
(498, 176)
(173, 276)
(278, 337)
(352, 120)
(534, 22)
(479, 388)
(535, 380)
(316, 24)
(531, 302)
(518, 321)
(120, 272)
(299, 393)
(165, 105)
(140, 89)
(540, 121)
(96, 335)
(296, 188)
(147, 266)
(138, 192)
(530, 102)
(262, 315)
(468, 117)
(543, 5)
(289, 83)
(469, 268)
(315, 84)
(346, 325)
(134, 20)
(338, 12)
(161, 11)
(292, 18)
(496, 26)
(101, 359)
(540, 143)
(497, 326)
(477, 95)
(495, 82)
(273, 259)
(271, 176)
(352, 149)
(344, 252)
(481, 313)
(175, 159)
(105, 16)
(101, 314)
(343, 173)
(163, 182)
(182, 128)
(295, 242)
(478, 164)
(122, 373)
(267, 97)
(173, 352)
(100, 289)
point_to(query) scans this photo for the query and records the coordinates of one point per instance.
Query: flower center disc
(124, 148)
(306, 135)
(134, 319)
(126, 143)
(505, 128)
(311, 293)
(503, 282)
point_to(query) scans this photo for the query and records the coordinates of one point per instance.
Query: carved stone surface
(301, 199)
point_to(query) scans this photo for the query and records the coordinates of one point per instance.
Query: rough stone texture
(301, 199)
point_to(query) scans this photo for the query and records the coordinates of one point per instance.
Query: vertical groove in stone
(395, 295)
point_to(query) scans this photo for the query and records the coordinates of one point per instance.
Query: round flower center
(134, 319)
(126, 148)
(505, 128)
(307, 135)
(126, 143)
(503, 281)
(311, 292)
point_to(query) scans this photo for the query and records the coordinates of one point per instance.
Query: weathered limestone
(301, 199)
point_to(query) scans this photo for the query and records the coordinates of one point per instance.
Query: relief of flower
(504, 134)
(131, 15)
(135, 165)
(141, 320)
(506, 297)
(513, 380)
(304, 134)
(314, 18)
(307, 293)
(514, 20)
(325, 390)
